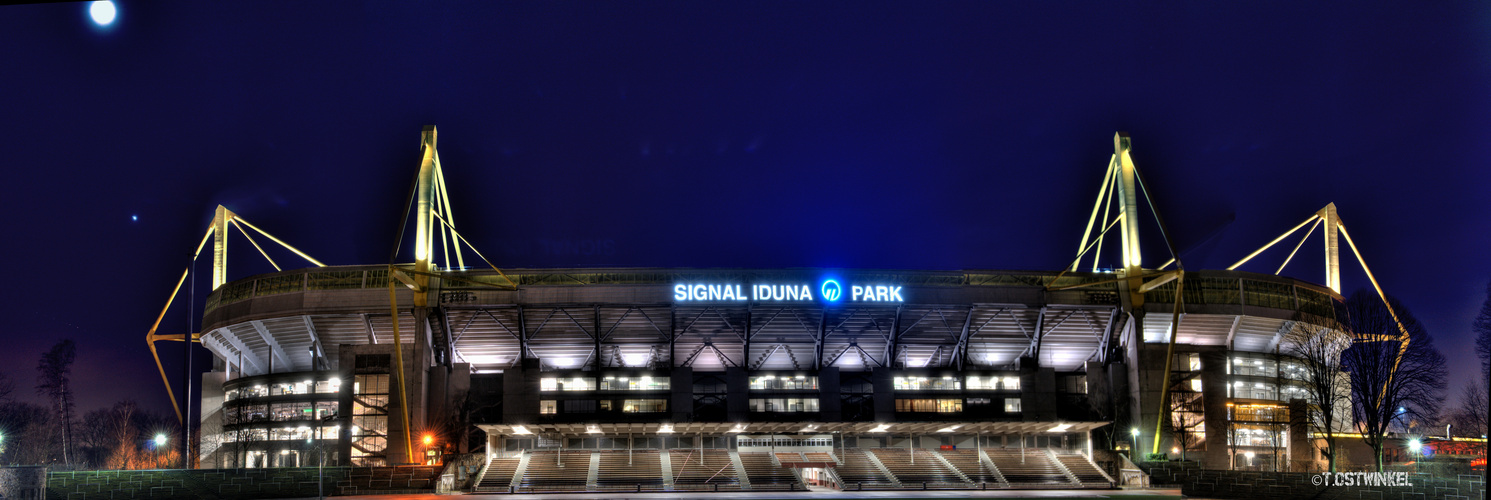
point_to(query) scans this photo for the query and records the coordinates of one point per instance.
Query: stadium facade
(763, 378)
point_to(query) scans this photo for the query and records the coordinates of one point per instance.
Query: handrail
(1289, 293)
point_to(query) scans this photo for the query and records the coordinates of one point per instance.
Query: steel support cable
(1403, 339)
(1084, 251)
(1102, 189)
(255, 243)
(1107, 205)
(1180, 285)
(277, 240)
(1297, 246)
(150, 336)
(398, 352)
(478, 252)
(1272, 243)
(445, 199)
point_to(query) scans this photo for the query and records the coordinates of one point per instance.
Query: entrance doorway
(817, 479)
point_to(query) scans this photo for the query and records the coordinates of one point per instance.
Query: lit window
(642, 383)
(784, 382)
(548, 407)
(1196, 384)
(1012, 405)
(929, 405)
(566, 384)
(644, 405)
(915, 383)
(1011, 384)
(783, 405)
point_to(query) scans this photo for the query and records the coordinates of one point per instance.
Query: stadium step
(517, 478)
(595, 470)
(740, 470)
(884, 470)
(950, 467)
(1062, 467)
(993, 469)
(666, 462)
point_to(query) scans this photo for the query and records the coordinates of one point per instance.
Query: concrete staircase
(595, 470)
(740, 470)
(522, 467)
(667, 467)
(993, 469)
(884, 470)
(950, 467)
(1068, 472)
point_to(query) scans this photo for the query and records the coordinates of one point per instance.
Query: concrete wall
(233, 484)
(1037, 391)
(415, 384)
(1197, 482)
(18, 483)
(681, 387)
(1214, 391)
(211, 427)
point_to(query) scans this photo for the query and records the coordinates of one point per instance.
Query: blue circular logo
(831, 291)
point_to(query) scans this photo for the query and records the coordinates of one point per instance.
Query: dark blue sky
(954, 135)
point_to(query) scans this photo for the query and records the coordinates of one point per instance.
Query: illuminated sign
(829, 291)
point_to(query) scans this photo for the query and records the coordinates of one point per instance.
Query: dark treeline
(52, 433)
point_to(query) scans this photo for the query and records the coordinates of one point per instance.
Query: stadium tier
(728, 379)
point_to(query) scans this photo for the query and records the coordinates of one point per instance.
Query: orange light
(429, 439)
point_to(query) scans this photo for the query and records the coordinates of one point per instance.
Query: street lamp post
(160, 440)
(1134, 442)
(425, 449)
(1415, 446)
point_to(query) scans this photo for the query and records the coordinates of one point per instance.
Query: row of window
(330, 386)
(950, 383)
(790, 382)
(784, 382)
(1011, 405)
(784, 405)
(551, 407)
(287, 434)
(279, 412)
(764, 405)
(1247, 365)
(784, 442)
(612, 383)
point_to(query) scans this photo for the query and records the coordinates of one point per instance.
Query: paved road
(1153, 494)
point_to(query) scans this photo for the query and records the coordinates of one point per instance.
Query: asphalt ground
(1149, 494)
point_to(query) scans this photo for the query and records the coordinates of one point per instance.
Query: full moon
(102, 12)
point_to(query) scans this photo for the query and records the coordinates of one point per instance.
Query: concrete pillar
(737, 392)
(681, 386)
(1214, 402)
(829, 403)
(1302, 454)
(885, 394)
(1037, 391)
(520, 394)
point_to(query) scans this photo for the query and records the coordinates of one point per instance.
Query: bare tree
(1389, 384)
(1186, 417)
(1482, 328)
(1470, 417)
(1326, 385)
(53, 378)
(7, 387)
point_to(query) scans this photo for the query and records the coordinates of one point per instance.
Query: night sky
(911, 135)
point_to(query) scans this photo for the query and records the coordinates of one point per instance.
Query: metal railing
(1206, 287)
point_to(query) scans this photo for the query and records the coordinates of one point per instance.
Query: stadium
(647, 379)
